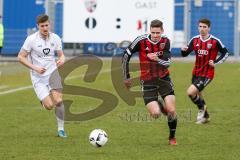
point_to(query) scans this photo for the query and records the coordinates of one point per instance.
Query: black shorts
(158, 87)
(200, 82)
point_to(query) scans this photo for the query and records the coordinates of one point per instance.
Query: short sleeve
(58, 43)
(27, 46)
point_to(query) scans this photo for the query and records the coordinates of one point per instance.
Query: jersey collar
(39, 34)
(149, 38)
(209, 37)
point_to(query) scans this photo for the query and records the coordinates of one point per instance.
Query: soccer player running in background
(206, 48)
(38, 54)
(154, 56)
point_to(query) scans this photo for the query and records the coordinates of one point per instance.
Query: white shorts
(43, 85)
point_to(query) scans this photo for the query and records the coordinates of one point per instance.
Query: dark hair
(42, 18)
(205, 21)
(156, 23)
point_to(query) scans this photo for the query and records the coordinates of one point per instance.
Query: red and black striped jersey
(149, 69)
(206, 50)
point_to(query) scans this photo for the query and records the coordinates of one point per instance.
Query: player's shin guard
(198, 101)
(59, 111)
(172, 124)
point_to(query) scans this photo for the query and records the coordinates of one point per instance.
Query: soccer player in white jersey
(38, 54)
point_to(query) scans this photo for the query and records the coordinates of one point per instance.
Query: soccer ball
(98, 137)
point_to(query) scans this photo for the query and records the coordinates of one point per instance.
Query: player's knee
(48, 105)
(190, 93)
(153, 109)
(171, 112)
(155, 114)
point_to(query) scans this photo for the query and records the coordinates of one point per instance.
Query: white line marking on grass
(15, 90)
(30, 86)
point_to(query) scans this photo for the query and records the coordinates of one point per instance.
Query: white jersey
(42, 52)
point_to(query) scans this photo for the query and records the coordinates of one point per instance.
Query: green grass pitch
(29, 132)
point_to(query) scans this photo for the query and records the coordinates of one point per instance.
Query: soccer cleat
(62, 134)
(203, 120)
(203, 116)
(201, 113)
(173, 141)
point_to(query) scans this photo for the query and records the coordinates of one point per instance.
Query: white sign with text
(101, 21)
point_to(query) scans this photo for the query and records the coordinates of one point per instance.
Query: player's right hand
(211, 63)
(40, 70)
(153, 56)
(184, 48)
(128, 83)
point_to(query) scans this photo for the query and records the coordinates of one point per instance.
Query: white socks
(59, 111)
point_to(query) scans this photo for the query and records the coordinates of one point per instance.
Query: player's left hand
(211, 63)
(60, 62)
(153, 56)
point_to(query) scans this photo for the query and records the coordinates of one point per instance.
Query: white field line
(16, 90)
(30, 86)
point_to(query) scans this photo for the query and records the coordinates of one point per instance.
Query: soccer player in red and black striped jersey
(154, 56)
(206, 48)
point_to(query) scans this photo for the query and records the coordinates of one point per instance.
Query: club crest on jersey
(162, 45)
(46, 51)
(160, 53)
(90, 5)
(209, 45)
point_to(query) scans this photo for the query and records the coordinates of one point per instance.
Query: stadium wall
(19, 20)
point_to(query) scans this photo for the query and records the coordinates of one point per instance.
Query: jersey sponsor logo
(209, 45)
(46, 51)
(91, 5)
(162, 45)
(202, 52)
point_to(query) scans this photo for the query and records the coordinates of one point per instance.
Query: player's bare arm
(61, 58)
(22, 57)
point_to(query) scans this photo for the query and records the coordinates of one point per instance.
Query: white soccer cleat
(203, 120)
(200, 115)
